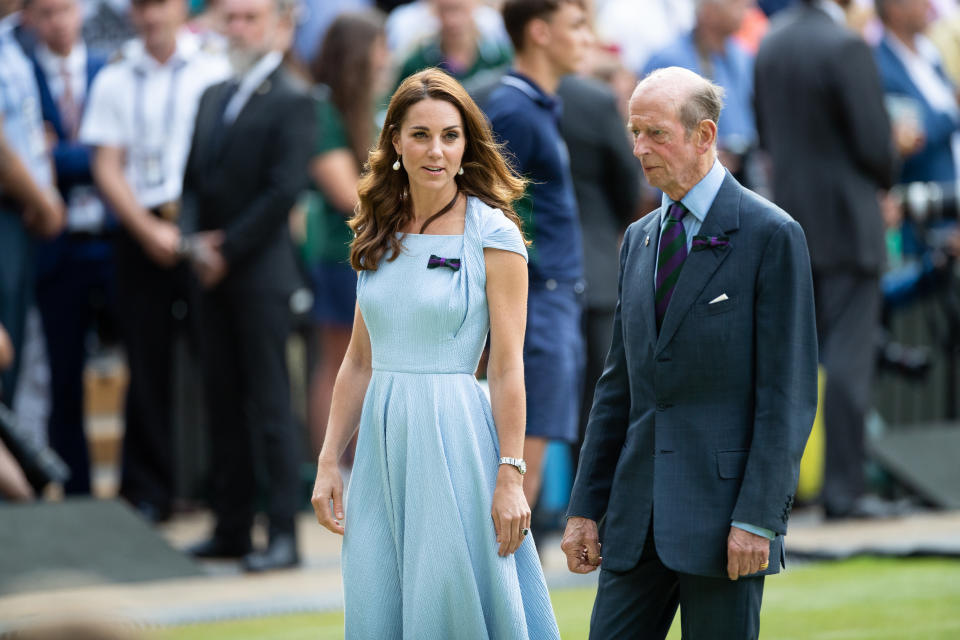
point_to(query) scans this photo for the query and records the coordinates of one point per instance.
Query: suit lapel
(208, 126)
(722, 219)
(250, 110)
(646, 248)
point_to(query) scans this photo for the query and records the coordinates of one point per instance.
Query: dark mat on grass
(80, 542)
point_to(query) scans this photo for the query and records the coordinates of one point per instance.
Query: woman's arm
(346, 405)
(507, 300)
(13, 484)
(335, 174)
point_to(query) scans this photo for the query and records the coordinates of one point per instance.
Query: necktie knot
(677, 211)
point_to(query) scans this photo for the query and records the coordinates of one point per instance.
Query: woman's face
(431, 142)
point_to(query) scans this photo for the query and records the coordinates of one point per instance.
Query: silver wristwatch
(519, 463)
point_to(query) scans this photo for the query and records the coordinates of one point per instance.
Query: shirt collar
(700, 198)
(260, 71)
(187, 46)
(9, 23)
(518, 80)
(926, 50)
(76, 59)
(833, 10)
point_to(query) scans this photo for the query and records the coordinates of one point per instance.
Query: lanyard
(170, 111)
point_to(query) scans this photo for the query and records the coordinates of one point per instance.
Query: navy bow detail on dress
(701, 242)
(437, 261)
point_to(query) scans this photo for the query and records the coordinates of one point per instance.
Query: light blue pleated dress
(419, 551)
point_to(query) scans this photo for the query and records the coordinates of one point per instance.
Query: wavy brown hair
(384, 207)
(343, 64)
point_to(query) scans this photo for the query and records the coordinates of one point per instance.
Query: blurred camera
(924, 202)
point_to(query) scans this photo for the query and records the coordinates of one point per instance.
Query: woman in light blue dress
(436, 527)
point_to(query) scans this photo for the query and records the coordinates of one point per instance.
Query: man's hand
(747, 553)
(208, 261)
(581, 543)
(160, 240)
(48, 217)
(6, 349)
(908, 137)
(890, 209)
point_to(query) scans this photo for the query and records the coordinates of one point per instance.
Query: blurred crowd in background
(108, 170)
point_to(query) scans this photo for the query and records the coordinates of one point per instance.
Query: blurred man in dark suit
(75, 270)
(606, 181)
(821, 116)
(248, 163)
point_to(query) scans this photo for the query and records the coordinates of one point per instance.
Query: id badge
(150, 168)
(85, 212)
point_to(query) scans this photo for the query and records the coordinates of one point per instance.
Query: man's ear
(706, 135)
(538, 32)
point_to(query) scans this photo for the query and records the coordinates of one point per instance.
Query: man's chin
(242, 60)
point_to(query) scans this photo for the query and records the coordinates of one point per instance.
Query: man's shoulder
(808, 25)
(760, 213)
(581, 89)
(114, 80)
(506, 99)
(508, 107)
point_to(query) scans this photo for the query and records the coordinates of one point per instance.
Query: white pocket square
(719, 298)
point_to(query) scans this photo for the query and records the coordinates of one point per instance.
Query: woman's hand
(328, 487)
(511, 513)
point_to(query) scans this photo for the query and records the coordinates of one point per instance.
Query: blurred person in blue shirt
(710, 50)
(551, 40)
(75, 269)
(28, 204)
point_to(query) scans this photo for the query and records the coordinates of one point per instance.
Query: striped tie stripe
(672, 253)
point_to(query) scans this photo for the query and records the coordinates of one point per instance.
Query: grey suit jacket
(606, 179)
(706, 422)
(820, 114)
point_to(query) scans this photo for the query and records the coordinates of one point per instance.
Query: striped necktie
(672, 253)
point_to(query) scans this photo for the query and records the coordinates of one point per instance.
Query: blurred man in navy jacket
(75, 274)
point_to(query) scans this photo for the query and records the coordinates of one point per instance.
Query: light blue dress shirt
(698, 202)
(20, 106)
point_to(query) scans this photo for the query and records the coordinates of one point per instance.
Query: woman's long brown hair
(343, 64)
(384, 207)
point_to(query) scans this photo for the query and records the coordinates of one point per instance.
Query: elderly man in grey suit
(701, 415)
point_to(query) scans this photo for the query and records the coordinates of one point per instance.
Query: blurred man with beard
(248, 163)
(139, 118)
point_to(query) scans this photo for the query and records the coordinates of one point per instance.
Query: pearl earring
(396, 165)
(460, 173)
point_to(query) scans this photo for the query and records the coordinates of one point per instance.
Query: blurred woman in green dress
(349, 70)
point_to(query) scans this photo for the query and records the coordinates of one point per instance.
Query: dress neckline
(466, 225)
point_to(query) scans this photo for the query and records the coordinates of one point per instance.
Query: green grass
(861, 599)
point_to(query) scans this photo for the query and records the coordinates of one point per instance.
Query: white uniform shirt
(149, 109)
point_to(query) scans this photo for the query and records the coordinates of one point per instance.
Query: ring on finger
(524, 531)
(764, 565)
